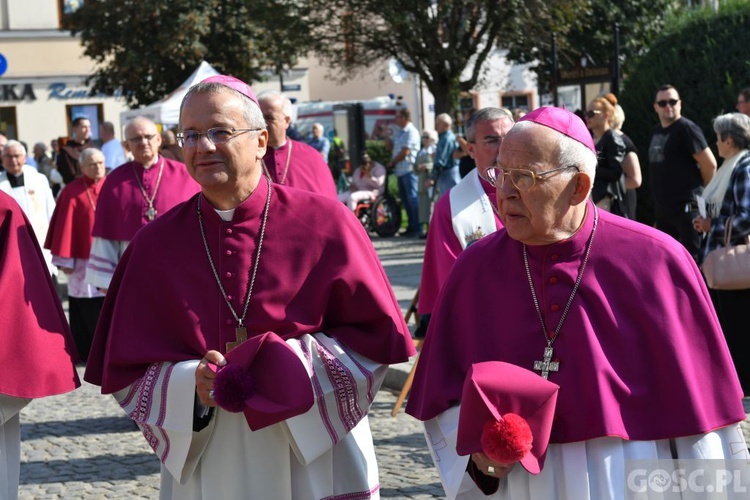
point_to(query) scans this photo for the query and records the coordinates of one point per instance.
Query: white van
(379, 113)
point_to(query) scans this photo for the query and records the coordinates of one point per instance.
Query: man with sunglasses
(613, 312)
(133, 195)
(245, 332)
(680, 163)
(466, 214)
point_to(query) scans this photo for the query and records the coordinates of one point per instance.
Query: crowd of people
(222, 292)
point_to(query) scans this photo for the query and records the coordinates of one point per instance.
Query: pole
(616, 72)
(555, 99)
(281, 79)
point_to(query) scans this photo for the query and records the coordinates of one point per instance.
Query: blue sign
(291, 88)
(3, 65)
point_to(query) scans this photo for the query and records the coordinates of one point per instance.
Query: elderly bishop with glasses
(133, 195)
(612, 319)
(244, 333)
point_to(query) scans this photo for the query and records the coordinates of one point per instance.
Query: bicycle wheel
(386, 216)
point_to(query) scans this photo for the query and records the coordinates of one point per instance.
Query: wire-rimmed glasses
(523, 179)
(217, 135)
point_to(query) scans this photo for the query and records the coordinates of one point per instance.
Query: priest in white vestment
(31, 191)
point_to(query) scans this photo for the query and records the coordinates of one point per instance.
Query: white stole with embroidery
(471, 210)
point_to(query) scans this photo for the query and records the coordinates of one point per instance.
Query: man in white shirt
(114, 156)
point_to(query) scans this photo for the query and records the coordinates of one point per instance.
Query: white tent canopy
(166, 111)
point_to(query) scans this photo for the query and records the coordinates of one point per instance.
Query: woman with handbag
(727, 199)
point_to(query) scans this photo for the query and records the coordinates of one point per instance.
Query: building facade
(43, 75)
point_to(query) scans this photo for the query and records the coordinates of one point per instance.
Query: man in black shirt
(680, 164)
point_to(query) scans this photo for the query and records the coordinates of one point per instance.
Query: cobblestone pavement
(80, 445)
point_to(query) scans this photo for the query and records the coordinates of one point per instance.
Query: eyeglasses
(490, 141)
(663, 103)
(141, 138)
(590, 113)
(521, 178)
(18, 156)
(216, 135)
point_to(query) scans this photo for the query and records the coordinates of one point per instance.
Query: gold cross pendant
(241, 335)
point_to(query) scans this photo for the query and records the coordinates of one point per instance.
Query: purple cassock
(641, 354)
(36, 349)
(122, 208)
(312, 276)
(442, 249)
(306, 168)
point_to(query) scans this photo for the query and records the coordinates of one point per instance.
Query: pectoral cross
(151, 213)
(547, 365)
(241, 335)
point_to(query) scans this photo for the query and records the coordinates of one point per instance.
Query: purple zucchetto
(233, 83)
(562, 121)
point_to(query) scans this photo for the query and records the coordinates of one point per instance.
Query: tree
(146, 49)
(703, 55)
(445, 42)
(591, 34)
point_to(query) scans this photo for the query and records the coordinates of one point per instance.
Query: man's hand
(489, 467)
(205, 375)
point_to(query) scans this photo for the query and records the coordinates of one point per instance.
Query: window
(522, 101)
(8, 125)
(91, 111)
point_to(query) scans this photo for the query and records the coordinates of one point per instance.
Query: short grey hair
(18, 144)
(444, 118)
(138, 119)
(86, 154)
(268, 95)
(250, 110)
(736, 126)
(485, 115)
(569, 151)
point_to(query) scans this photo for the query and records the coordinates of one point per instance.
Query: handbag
(728, 268)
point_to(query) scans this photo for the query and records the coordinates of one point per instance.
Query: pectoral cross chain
(546, 365)
(241, 336)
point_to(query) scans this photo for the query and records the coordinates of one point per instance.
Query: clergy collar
(251, 208)
(283, 144)
(16, 180)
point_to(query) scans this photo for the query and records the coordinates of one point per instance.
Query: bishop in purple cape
(36, 347)
(133, 195)
(614, 312)
(288, 162)
(240, 259)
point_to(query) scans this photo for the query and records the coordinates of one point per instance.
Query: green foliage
(445, 42)
(146, 49)
(589, 30)
(377, 151)
(704, 56)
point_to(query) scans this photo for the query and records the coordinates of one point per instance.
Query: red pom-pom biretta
(516, 404)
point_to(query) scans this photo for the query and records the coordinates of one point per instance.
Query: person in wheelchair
(368, 182)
